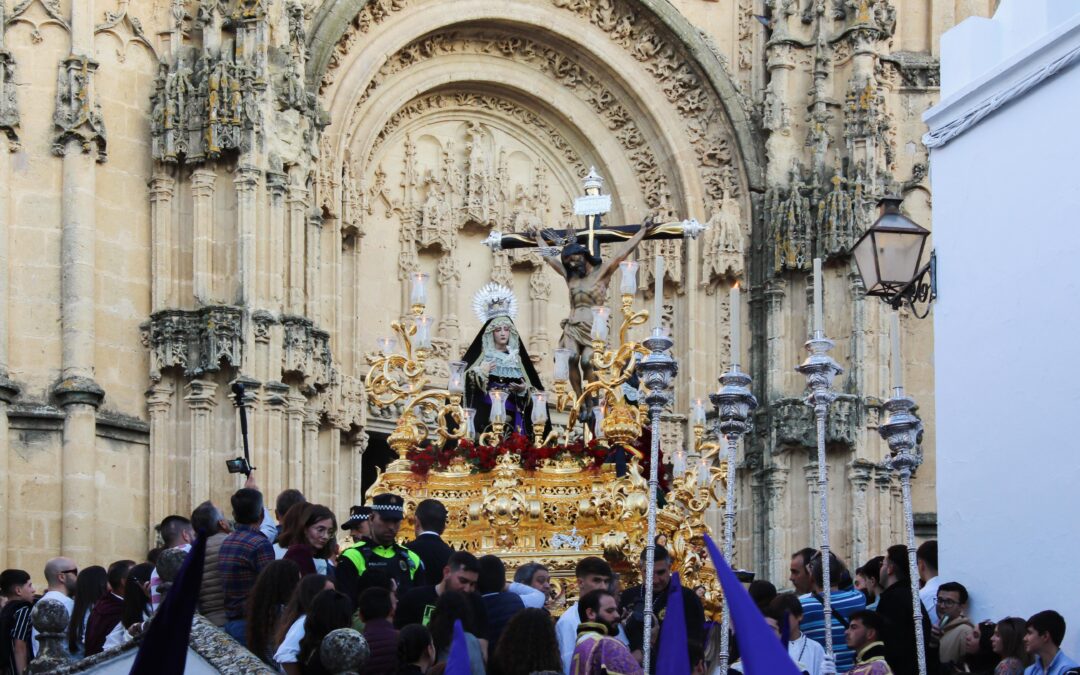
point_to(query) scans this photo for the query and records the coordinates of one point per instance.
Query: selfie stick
(238, 390)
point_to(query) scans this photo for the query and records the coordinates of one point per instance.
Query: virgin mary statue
(497, 360)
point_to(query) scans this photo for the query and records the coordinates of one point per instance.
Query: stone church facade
(198, 192)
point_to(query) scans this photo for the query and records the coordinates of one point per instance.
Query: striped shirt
(15, 624)
(844, 603)
(242, 555)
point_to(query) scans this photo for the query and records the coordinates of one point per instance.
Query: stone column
(297, 203)
(276, 402)
(295, 430)
(201, 401)
(776, 481)
(275, 184)
(539, 295)
(860, 474)
(202, 228)
(360, 445)
(246, 181)
(159, 399)
(812, 504)
(312, 468)
(778, 360)
(312, 271)
(162, 279)
(883, 483)
(9, 391)
(76, 392)
(334, 463)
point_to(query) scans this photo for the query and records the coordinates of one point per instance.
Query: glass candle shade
(470, 423)
(678, 463)
(456, 384)
(423, 332)
(598, 417)
(628, 278)
(387, 345)
(418, 292)
(562, 364)
(498, 406)
(539, 408)
(703, 472)
(697, 412)
(600, 323)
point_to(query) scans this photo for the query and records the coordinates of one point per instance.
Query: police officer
(380, 551)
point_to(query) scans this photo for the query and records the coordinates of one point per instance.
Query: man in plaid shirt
(243, 554)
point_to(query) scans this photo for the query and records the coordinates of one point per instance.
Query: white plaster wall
(1006, 336)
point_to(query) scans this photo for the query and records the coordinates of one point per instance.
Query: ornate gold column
(201, 401)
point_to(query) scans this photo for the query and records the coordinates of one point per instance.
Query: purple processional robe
(598, 654)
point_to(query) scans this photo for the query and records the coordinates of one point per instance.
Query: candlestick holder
(820, 370)
(901, 432)
(733, 404)
(656, 372)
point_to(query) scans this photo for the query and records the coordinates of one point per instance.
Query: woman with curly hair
(265, 604)
(307, 534)
(528, 644)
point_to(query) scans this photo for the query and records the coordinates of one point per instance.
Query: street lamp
(888, 256)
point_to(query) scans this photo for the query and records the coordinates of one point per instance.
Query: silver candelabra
(901, 431)
(820, 370)
(733, 404)
(656, 372)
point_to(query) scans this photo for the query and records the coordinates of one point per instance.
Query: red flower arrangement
(483, 458)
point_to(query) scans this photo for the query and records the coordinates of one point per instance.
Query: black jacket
(433, 552)
(895, 608)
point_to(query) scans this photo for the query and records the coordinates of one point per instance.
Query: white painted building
(1005, 142)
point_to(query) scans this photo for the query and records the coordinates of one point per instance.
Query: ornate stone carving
(78, 116)
(261, 323)
(50, 9)
(722, 248)
(194, 341)
(9, 103)
(793, 422)
(915, 70)
(125, 28)
(306, 351)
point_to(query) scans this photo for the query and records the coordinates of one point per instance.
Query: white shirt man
(60, 573)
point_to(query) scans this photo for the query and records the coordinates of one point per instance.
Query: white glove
(828, 665)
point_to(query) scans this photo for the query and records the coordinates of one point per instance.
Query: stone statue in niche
(722, 250)
(478, 180)
(437, 219)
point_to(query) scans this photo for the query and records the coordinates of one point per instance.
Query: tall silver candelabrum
(733, 403)
(820, 370)
(901, 431)
(656, 372)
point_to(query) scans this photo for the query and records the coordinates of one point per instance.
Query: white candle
(897, 370)
(658, 292)
(819, 309)
(736, 329)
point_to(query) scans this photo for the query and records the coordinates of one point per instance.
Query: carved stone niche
(792, 422)
(306, 351)
(196, 341)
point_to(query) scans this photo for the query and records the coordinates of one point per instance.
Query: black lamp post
(888, 256)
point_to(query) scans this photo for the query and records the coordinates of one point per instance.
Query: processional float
(552, 496)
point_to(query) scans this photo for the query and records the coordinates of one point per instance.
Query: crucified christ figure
(587, 277)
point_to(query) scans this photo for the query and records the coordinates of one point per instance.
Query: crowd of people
(279, 581)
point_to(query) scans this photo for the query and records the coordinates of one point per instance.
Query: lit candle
(628, 285)
(697, 412)
(600, 323)
(658, 292)
(456, 384)
(498, 406)
(562, 364)
(539, 408)
(678, 463)
(897, 369)
(702, 472)
(387, 345)
(736, 329)
(819, 309)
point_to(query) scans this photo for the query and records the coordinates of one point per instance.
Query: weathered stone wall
(200, 192)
